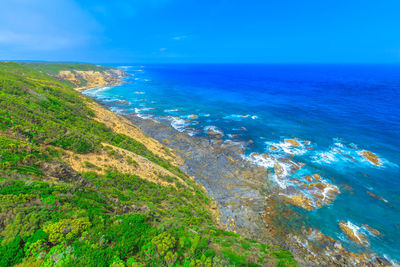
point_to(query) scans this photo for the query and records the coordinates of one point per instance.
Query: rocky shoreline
(248, 200)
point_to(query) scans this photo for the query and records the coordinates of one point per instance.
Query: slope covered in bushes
(95, 212)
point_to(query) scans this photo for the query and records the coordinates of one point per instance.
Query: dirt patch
(123, 161)
(121, 125)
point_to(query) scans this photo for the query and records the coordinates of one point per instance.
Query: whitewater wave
(171, 110)
(238, 117)
(178, 123)
(351, 153)
(288, 148)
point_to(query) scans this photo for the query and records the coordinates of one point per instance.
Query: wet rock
(298, 182)
(353, 233)
(375, 196)
(300, 200)
(317, 177)
(274, 148)
(318, 186)
(192, 116)
(347, 188)
(380, 261)
(278, 169)
(293, 142)
(324, 193)
(371, 230)
(373, 158)
(214, 133)
(301, 164)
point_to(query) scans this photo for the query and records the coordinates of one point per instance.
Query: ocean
(334, 114)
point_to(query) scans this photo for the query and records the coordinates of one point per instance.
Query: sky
(201, 31)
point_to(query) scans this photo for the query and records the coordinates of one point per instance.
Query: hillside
(80, 185)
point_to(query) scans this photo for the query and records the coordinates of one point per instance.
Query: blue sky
(246, 31)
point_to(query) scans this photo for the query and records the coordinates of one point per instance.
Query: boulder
(62, 171)
(353, 233)
(293, 142)
(371, 157)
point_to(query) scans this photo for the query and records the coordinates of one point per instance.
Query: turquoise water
(341, 110)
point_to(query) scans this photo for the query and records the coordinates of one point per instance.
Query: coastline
(116, 83)
(247, 200)
(99, 170)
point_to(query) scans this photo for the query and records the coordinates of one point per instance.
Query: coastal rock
(373, 158)
(316, 176)
(347, 188)
(311, 196)
(375, 196)
(301, 164)
(324, 193)
(352, 232)
(192, 116)
(274, 148)
(317, 186)
(293, 142)
(213, 132)
(299, 200)
(371, 230)
(278, 169)
(298, 182)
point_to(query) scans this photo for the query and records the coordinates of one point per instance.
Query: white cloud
(39, 25)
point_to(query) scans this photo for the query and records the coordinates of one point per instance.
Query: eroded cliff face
(89, 78)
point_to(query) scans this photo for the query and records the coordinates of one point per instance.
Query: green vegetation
(64, 218)
(54, 68)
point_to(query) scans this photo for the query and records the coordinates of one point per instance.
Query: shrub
(66, 230)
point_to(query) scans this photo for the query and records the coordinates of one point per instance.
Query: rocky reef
(293, 142)
(353, 233)
(371, 157)
(248, 200)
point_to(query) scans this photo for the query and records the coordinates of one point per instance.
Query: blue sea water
(341, 109)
